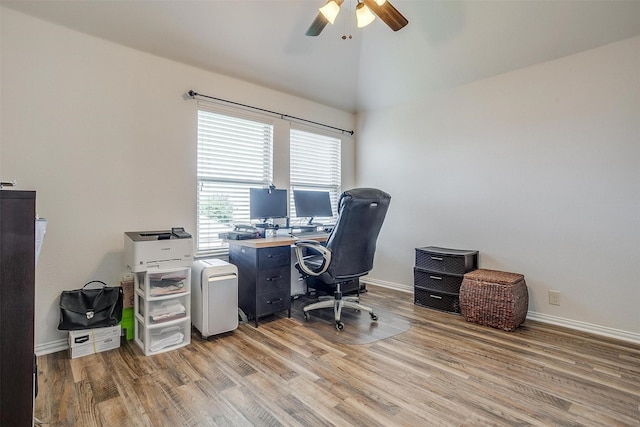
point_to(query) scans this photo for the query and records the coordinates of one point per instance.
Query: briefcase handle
(95, 281)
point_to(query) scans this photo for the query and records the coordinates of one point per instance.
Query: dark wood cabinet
(264, 279)
(17, 294)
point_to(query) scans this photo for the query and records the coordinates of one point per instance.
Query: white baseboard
(585, 327)
(540, 317)
(60, 345)
(391, 285)
(52, 347)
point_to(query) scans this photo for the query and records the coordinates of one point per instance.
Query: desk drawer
(272, 279)
(274, 257)
(272, 302)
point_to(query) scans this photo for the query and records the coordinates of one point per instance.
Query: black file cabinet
(438, 274)
(264, 279)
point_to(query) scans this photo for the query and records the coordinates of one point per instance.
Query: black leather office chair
(349, 251)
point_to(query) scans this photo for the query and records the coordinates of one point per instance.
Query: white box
(91, 341)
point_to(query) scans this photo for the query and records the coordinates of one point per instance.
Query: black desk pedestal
(264, 279)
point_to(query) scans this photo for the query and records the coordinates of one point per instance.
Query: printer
(153, 250)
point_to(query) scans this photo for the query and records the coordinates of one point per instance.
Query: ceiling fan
(366, 11)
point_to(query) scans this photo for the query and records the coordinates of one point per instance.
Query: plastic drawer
(168, 283)
(436, 281)
(443, 260)
(163, 337)
(437, 300)
(164, 310)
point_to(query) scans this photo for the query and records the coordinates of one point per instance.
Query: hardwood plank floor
(442, 372)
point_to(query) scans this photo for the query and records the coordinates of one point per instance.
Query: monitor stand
(267, 225)
(310, 223)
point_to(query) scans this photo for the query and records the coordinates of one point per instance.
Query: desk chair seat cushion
(352, 287)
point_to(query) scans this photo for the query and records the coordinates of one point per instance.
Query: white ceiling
(447, 43)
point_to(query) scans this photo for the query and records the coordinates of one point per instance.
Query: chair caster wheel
(374, 317)
(339, 325)
(306, 316)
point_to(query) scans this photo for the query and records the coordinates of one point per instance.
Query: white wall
(106, 137)
(538, 169)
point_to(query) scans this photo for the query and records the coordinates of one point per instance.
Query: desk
(264, 273)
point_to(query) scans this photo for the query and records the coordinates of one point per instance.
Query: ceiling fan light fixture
(364, 16)
(365, 10)
(330, 10)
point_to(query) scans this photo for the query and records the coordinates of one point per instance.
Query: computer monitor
(312, 204)
(267, 203)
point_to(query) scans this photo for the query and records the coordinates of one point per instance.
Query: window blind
(234, 154)
(315, 163)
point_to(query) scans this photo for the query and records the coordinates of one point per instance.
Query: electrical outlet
(554, 297)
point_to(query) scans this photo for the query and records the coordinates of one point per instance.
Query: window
(315, 165)
(235, 153)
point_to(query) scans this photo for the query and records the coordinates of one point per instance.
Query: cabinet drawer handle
(274, 256)
(274, 301)
(435, 277)
(436, 258)
(271, 279)
(436, 296)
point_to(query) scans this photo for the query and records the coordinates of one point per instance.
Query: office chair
(349, 251)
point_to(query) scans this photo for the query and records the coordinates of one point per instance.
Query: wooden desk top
(269, 242)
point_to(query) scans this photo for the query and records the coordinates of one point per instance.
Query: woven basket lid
(494, 276)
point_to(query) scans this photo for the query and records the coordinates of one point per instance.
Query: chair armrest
(319, 250)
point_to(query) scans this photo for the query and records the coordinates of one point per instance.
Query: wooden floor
(442, 371)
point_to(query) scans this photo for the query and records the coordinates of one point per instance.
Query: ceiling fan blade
(320, 22)
(388, 14)
(317, 25)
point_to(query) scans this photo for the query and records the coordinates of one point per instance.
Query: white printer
(153, 250)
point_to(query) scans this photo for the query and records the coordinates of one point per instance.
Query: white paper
(41, 228)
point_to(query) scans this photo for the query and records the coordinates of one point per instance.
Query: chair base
(338, 304)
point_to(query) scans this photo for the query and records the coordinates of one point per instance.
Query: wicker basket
(494, 298)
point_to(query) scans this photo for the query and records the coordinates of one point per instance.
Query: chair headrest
(372, 194)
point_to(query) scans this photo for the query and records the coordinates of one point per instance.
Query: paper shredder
(214, 296)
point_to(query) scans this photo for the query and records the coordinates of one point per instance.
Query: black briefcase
(89, 308)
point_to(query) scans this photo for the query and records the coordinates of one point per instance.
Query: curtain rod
(193, 94)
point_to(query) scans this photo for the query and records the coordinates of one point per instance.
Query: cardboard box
(91, 341)
(127, 292)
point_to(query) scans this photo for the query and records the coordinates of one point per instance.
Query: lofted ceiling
(446, 44)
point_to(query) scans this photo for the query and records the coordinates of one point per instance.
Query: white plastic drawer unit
(163, 309)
